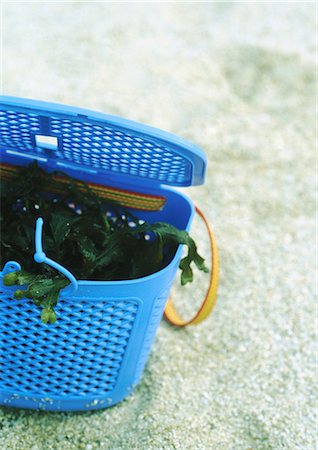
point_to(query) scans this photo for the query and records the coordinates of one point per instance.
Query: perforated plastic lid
(80, 139)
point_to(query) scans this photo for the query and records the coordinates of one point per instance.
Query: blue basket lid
(79, 139)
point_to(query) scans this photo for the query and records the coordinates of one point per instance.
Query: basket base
(68, 403)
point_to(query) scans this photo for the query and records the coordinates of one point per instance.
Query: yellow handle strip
(136, 200)
(208, 304)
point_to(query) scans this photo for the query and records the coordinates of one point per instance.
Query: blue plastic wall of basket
(95, 353)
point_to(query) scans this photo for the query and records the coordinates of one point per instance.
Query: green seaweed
(96, 240)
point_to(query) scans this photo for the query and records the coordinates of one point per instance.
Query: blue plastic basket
(95, 353)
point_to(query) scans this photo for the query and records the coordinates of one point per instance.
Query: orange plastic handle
(170, 313)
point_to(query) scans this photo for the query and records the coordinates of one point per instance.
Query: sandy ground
(238, 80)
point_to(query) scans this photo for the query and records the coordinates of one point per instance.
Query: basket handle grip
(170, 313)
(40, 257)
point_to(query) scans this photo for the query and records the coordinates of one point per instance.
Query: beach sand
(238, 80)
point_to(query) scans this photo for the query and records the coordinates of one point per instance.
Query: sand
(238, 80)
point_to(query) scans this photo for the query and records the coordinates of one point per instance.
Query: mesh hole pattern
(104, 147)
(98, 146)
(156, 316)
(16, 129)
(81, 354)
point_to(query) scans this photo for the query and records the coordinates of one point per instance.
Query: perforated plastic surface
(96, 351)
(101, 143)
(156, 315)
(80, 356)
